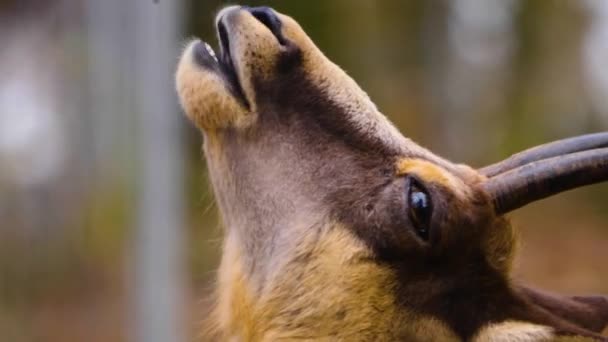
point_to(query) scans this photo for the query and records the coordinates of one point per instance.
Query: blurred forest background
(107, 226)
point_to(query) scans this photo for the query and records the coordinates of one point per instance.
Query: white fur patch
(512, 331)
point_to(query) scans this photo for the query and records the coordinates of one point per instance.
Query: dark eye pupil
(419, 210)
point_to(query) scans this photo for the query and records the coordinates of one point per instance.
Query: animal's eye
(420, 208)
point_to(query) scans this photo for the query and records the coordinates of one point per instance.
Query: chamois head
(339, 227)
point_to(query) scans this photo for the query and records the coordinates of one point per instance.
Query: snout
(237, 34)
(252, 42)
(216, 86)
(232, 16)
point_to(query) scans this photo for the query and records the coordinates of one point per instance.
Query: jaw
(204, 92)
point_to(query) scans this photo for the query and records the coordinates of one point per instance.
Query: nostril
(268, 17)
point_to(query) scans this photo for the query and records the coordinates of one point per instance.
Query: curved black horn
(549, 150)
(536, 180)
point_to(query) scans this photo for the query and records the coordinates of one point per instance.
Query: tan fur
(337, 294)
(513, 331)
(430, 172)
(204, 96)
(501, 245)
(235, 309)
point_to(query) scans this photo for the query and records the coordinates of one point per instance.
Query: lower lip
(204, 56)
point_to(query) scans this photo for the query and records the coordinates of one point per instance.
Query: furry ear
(587, 312)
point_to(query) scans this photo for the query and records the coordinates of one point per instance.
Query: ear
(588, 312)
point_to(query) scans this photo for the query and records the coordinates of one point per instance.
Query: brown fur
(311, 181)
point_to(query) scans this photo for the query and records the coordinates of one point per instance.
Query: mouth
(223, 63)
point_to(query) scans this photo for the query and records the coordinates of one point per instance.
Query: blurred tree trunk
(159, 268)
(470, 62)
